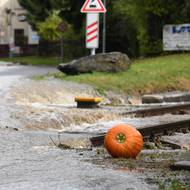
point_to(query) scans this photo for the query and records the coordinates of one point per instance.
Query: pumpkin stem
(120, 138)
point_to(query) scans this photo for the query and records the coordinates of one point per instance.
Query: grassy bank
(34, 60)
(150, 75)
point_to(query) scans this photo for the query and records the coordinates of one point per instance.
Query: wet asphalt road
(24, 71)
(29, 160)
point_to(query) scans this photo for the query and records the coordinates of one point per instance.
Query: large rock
(108, 62)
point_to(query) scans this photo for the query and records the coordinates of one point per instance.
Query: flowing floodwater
(32, 112)
(29, 159)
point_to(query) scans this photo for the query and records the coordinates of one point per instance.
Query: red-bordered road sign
(93, 6)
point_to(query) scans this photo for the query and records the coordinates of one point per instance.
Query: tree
(138, 23)
(149, 17)
(121, 31)
(70, 10)
(37, 11)
(48, 29)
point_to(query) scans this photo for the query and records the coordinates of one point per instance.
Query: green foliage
(70, 10)
(125, 39)
(34, 60)
(149, 16)
(173, 185)
(152, 75)
(48, 29)
(45, 16)
(133, 26)
(51, 35)
(37, 11)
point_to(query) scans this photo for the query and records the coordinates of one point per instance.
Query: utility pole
(104, 31)
(9, 23)
(10, 14)
(62, 51)
(62, 27)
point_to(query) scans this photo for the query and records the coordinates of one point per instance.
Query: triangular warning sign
(93, 6)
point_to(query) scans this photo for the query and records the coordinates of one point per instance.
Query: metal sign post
(92, 8)
(62, 27)
(104, 32)
(62, 55)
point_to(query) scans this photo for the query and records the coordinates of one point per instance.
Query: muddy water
(30, 112)
(29, 160)
(49, 91)
(11, 75)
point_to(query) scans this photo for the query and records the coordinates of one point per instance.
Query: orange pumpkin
(123, 141)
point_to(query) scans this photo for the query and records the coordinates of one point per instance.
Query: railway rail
(151, 132)
(181, 108)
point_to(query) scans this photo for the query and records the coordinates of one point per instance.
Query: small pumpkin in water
(123, 141)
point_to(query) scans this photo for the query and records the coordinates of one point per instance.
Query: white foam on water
(5, 83)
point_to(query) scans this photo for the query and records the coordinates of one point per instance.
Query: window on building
(20, 38)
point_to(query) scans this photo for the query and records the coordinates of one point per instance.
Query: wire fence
(71, 49)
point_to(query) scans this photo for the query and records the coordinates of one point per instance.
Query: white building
(14, 29)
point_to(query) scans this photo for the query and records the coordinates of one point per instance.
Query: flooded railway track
(181, 108)
(151, 132)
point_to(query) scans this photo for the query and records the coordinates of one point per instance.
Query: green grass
(173, 185)
(165, 73)
(34, 60)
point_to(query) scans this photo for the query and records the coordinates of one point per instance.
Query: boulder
(108, 62)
